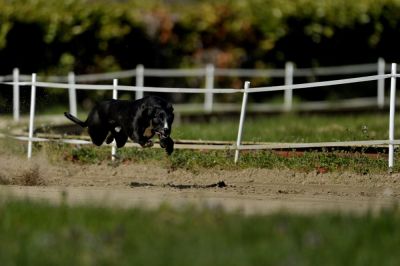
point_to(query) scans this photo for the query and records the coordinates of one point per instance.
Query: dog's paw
(148, 144)
(167, 144)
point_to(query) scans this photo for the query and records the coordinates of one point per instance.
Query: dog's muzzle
(163, 133)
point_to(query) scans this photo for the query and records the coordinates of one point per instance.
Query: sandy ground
(249, 190)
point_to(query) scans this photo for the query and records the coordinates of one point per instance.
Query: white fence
(115, 87)
(208, 73)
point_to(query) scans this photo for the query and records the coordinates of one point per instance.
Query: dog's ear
(170, 108)
(145, 111)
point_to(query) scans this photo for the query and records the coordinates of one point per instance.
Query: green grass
(197, 160)
(44, 234)
(292, 128)
(278, 128)
(284, 128)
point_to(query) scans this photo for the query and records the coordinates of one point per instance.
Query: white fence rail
(209, 73)
(115, 87)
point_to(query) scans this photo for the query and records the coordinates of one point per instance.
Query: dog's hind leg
(121, 139)
(98, 134)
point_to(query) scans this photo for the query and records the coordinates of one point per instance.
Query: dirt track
(249, 190)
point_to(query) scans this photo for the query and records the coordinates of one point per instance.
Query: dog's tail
(75, 119)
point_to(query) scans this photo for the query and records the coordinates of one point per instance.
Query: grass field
(43, 234)
(281, 128)
(196, 160)
(292, 128)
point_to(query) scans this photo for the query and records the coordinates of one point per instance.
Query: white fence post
(208, 99)
(288, 97)
(241, 121)
(381, 83)
(32, 114)
(16, 94)
(139, 80)
(391, 115)
(114, 96)
(72, 94)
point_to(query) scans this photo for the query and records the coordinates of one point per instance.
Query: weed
(86, 155)
(31, 177)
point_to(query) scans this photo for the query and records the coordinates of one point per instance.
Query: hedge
(54, 37)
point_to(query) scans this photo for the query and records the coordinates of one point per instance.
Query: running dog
(139, 120)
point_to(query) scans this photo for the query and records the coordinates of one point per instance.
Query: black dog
(139, 120)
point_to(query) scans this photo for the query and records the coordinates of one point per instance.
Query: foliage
(55, 37)
(93, 36)
(43, 234)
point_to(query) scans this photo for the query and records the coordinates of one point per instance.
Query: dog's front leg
(146, 143)
(138, 136)
(167, 144)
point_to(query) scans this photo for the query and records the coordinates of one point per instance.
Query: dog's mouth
(161, 135)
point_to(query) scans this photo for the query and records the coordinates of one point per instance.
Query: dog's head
(160, 116)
